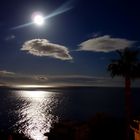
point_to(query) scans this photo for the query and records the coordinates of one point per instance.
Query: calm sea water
(33, 112)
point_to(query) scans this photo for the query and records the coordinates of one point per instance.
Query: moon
(38, 19)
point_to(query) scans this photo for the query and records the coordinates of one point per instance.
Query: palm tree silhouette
(127, 66)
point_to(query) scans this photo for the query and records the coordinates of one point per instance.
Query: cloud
(105, 44)
(41, 78)
(5, 76)
(42, 47)
(10, 37)
(84, 80)
(11, 79)
(6, 73)
(3, 84)
(18, 79)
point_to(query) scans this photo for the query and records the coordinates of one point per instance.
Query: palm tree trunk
(128, 105)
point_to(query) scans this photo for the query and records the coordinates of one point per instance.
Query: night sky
(73, 47)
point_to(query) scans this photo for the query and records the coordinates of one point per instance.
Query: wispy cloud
(8, 78)
(2, 84)
(84, 80)
(10, 37)
(105, 43)
(11, 78)
(6, 73)
(42, 47)
(42, 78)
(5, 76)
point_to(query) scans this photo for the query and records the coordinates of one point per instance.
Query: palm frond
(127, 65)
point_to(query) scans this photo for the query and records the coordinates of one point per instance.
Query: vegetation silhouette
(127, 66)
(99, 127)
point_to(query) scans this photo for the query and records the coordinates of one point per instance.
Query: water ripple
(35, 116)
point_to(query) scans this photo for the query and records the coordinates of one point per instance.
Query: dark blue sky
(102, 21)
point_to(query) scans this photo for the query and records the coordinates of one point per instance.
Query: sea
(32, 111)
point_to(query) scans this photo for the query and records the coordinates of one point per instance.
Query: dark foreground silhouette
(98, 128)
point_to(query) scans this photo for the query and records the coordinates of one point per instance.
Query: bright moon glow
(38, 19)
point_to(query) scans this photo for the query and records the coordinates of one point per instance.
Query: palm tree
(127, 66)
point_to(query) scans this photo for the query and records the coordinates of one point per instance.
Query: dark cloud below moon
(42, 47)
(105, 44)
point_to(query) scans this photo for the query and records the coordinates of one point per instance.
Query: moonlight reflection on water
(35, 116)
